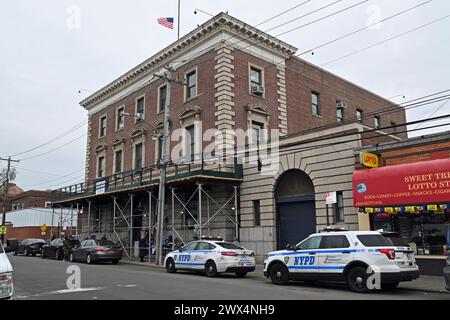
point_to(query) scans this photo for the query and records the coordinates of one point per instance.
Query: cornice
(219, 23)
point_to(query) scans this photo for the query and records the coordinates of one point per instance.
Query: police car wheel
(170, 266)
(211, 269)
(15, 253)
(279, 274)
(71, 257)
(241, 274)
(89, 259)
(357, 279)
(57, 255)
(26, 252)
(42, 254)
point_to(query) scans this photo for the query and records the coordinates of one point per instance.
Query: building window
(359, 115)
(315, 103)
(257, 133)
(377, 122)
(138, 163)
(257, 211)
(191, 84)
(118, 161)
(340, 115)
(190, 142)
(162, 98)
(120, 118)
(102, 127)
(101, 167)
(140, 109)
(394, 128)
(256, 81)
(339, 207)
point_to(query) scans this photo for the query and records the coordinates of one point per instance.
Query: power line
(434, 112)
(55, 149)
(323, 18)
(282, 13)
(76, 127)
(303, 16)
(362, 29)
(386, 40)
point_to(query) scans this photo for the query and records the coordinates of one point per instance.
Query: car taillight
(100, 249)
(229, 253)
(390, 253)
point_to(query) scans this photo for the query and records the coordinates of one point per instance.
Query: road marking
(126, 285)
(76, 290)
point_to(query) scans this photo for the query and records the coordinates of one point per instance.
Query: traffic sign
(43, 228)
(3, 229)
(330, 197)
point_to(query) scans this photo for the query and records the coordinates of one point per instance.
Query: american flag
(166, 22)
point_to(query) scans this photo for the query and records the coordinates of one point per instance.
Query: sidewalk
(423, 283)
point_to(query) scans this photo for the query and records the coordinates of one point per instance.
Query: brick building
(235, 77)
(30, 199)
(412, 195)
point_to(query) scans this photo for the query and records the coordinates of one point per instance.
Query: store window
(257, 211)
(427, 233)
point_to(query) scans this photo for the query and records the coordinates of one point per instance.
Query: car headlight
(6, 285)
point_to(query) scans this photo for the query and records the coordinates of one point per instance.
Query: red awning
(405, 184)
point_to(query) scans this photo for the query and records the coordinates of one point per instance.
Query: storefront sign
(389, 209)
(369, 160)
(405, 184)
(432, 207)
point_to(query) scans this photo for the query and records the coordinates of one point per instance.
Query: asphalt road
(37, 278)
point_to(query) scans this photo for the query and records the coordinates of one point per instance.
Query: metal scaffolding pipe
(200, 209)
(236, 212)
(149, 226)
(131, 222)
(173, 218)
(89, 219)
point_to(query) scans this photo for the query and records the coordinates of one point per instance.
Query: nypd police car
(345, 256)
(211, 257)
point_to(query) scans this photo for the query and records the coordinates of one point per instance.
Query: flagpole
(178, 29)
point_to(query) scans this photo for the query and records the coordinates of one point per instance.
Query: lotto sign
(43, 228)
(3, 230)
(369, 160)
(330, 197)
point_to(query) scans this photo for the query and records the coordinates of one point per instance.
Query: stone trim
(88, 150)
(282, 100)
(225, 106)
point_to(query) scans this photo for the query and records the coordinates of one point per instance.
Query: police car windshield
(375, 240)
(229, 246)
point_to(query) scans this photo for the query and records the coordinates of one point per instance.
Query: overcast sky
(47, 54)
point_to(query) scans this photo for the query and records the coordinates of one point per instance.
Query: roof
(220, 22)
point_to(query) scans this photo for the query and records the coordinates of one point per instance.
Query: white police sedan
(211, 257)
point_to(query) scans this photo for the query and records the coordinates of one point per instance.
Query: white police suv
(211, 257)
(345, 256)
(6, 275)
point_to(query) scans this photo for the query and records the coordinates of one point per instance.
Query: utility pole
(5, 191)
(162, 180)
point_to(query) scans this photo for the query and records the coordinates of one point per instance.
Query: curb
(143, 264)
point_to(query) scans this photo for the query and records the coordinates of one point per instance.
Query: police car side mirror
(289, 247)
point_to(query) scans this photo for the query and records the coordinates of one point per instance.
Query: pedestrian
(93, 237)
(66, 248)
(143, 248)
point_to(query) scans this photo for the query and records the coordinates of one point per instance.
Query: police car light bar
(216, 238)
(333, 229)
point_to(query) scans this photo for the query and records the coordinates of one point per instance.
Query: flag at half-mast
(166, 22)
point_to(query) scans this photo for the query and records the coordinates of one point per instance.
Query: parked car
(55, 249)
(447, 274)
(91, 251)
(30, 246)
(6, 275)
(211, 257)
(344, 256)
